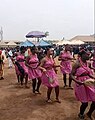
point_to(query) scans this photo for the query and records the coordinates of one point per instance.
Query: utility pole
(63, 38)
(1, 34)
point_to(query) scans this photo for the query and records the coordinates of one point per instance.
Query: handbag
(51, 81)
(89, 82)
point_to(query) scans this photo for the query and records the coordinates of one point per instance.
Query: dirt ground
(20, 104)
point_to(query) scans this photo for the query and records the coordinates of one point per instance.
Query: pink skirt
(51, 73)
(66, 67)
(34, 73)
(23, 66)
(84, 93)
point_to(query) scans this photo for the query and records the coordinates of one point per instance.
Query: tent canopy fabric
(2, 43)
(63, 42)
(43, 43)
(11, 43)
(27, 43)
(77, 42)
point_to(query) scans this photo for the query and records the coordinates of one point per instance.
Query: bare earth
(20, 104)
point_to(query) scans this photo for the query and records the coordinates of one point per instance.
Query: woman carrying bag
(49, 76)
(82, 74)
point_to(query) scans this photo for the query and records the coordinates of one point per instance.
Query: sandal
(49, 101)
(71, 88)
(57, 100)
(81, 117)
(65, 86)
(88, 118)
(37, 92)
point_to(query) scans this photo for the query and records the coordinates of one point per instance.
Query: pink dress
(84, 93)
(93, 64)
(51, 74)
(34, 71)
(66, 65)
(21, 60)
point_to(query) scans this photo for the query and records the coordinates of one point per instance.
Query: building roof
(89, 38)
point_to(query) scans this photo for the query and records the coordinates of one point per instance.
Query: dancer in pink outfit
(65, 57)
(20, 67)
(49, 77)
(33, 70)
(83, 93)
(16, 68)
(93, 64)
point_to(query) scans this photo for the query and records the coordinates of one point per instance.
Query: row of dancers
(45, 72)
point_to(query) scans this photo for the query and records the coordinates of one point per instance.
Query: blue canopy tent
(43, 43)
(27, 43)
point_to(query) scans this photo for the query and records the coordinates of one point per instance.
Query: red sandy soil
(20, 104)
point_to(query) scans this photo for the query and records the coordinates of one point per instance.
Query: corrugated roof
(84, 38)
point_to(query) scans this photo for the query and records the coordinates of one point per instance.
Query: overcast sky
(61, 18)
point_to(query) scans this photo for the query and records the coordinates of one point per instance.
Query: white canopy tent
(64, 42)
(76, 42)
(3, 44)
(11, 44)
